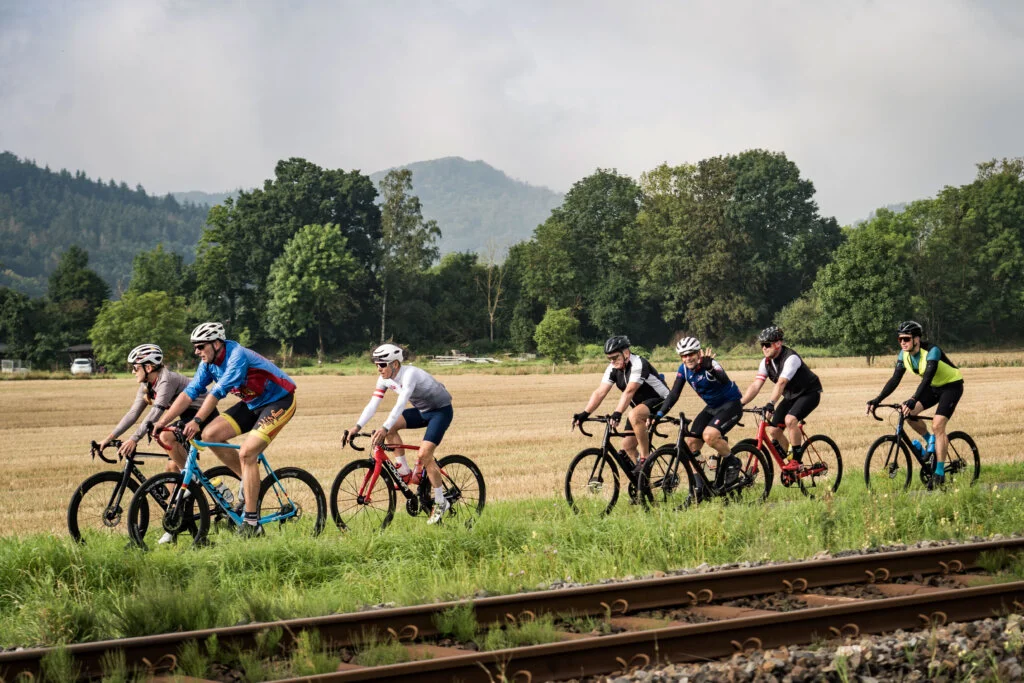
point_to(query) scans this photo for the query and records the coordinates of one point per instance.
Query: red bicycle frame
(380, 456)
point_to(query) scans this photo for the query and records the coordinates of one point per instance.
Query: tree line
(317, 262)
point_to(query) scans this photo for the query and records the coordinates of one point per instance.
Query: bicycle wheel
(822, 465)
(219, 520)
(297, 496)
(185, 520)
(463, 486)
(887, 467)
(98, 505)
(663, 480)
(372, 509)
(592, 482)
(962, 459)
(755, 477)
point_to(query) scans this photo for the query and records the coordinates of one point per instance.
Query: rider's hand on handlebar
(769, 408)
(615, 418)
(908, 406)
(578, 418)
(378, 436)
(190, 430)
(127, 448)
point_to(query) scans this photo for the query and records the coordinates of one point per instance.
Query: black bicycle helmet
(616, 343)
(770, 334)
(910, 327)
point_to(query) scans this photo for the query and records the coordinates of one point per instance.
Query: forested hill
(474, 203)
(43, 212)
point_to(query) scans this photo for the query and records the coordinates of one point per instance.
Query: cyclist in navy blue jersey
(720, 394)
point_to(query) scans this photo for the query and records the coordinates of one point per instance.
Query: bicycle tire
(592, 494)
(279, 497)
(95, 507)
(884, 459)
(754, 466)
(961, 456)
(152, 494)
(464, 486)
(660, 481)
(821, 454)
(347, 508)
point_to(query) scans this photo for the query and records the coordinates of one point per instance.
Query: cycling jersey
(709, 380)
(637, 370)
(160, 394)
(412, 385)
(790, 366)
(244, 373)
(935, 369)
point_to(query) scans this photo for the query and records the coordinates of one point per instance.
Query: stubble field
(515, 426)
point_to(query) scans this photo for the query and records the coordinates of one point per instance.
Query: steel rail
(618, 598)
(622, 653)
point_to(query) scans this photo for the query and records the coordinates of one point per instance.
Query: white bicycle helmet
(146, 353)
(206, 332)
(385, 353)
(687, 345)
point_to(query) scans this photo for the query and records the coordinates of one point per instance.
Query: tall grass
(54, 591)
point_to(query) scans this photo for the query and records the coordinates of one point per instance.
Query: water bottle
(225, 492)
(931, 444)
(918, 450)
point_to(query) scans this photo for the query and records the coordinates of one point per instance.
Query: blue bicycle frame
(192, 472)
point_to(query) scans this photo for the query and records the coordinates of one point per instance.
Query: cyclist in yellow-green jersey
(942, 385)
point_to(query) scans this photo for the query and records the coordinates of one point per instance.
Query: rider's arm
(673, 395)
(787, 373)
(131, 416)
(627, 397)
(894, 381)
(595, 398)
(161, 402)
(755, 386)
(236, 369)
(371, 407)
(176, 409)
(715, 368)
(408, 386)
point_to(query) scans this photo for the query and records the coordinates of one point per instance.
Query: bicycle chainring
(412, 506)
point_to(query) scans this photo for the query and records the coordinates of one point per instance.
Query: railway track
(698, 616)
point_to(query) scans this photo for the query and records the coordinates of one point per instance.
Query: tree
(161, 271)
(864, 291)
(408, 241)
(557, 335)
(491, 283)
(75, 295)
(153, 317)
(459, 311)
(246, 234)
(310, 281)
(16, 320)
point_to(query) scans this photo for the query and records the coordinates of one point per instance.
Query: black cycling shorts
(723, 418)
(799, 407)
(946, 396)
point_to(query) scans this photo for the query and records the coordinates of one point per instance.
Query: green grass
(54, 591)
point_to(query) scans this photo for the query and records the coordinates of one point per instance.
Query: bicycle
(355, 492)
(97, 503)
(586, 488)
(890, 477)
(188, 513)
(661, 480)
(818, 464)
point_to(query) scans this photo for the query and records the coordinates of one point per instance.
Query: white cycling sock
(439, 495)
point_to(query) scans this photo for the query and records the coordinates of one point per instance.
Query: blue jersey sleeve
(201, 380)
(934, 353)
(236, 367)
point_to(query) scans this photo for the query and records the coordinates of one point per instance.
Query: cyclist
(942, 384)
(721, 396)
(158, 387)
(267, 404)
(431, 408)
(797, 386)
(642, 388)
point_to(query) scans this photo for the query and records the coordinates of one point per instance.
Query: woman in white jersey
(431, 408)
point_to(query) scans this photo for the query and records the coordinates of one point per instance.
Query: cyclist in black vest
(795, 383)
(642, 388)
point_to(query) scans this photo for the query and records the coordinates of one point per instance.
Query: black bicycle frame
(620, 457)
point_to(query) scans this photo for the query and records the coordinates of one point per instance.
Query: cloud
(876, 102)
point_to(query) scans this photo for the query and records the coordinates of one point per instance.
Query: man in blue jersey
(267, 404)
(722, 410)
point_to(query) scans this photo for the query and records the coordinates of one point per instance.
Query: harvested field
(515, 426)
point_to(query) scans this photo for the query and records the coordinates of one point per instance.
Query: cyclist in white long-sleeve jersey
(431, 408)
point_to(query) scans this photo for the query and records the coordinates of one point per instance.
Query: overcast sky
(876, 102)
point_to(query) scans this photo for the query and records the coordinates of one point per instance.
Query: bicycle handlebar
(95, 450)
(896, 406)
(349, 439)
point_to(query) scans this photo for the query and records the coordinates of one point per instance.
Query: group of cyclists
(267, 403)
(796, 393)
